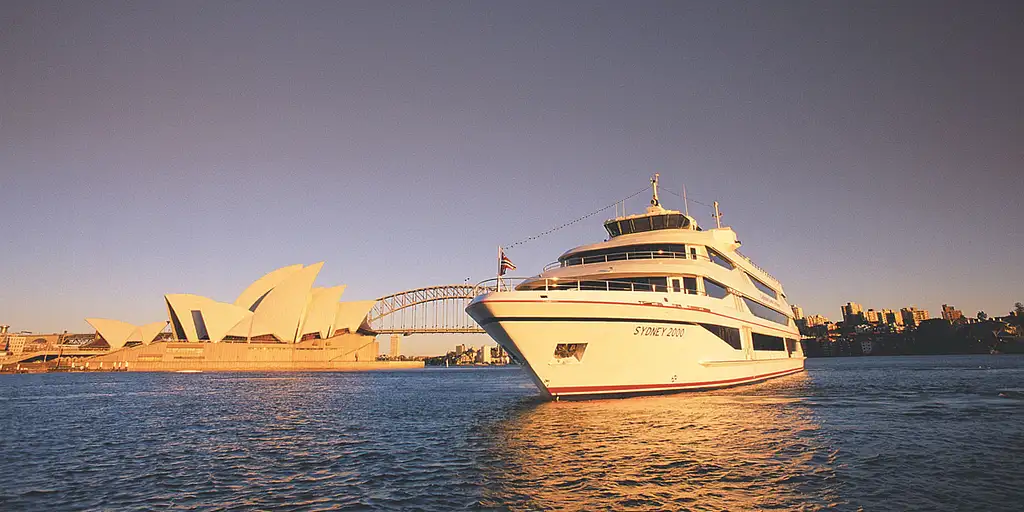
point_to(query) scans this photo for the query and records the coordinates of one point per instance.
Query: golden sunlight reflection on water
(741, 448)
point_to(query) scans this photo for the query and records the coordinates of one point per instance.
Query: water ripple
(867, 433)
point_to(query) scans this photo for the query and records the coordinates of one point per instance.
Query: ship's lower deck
(579, 349)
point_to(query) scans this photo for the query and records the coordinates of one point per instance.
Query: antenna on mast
(654, 187)
(686, 205)
(718, 215)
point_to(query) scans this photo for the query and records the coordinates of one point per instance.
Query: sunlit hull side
(633, 347)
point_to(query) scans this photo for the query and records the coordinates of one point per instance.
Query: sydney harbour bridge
(437, 309)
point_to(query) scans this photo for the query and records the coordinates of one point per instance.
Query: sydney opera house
(279, 322)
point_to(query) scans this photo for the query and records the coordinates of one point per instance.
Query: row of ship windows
(686, 284)
(731, 335)
(660, 251)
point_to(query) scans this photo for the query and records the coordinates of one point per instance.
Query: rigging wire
(567, 224)
(690, 199)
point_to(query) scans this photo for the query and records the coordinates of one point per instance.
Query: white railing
(623, 256)
(755, 265)
(554, 284)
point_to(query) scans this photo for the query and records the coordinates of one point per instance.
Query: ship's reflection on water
(741, 448)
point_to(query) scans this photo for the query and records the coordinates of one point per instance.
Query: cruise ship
(661, 306)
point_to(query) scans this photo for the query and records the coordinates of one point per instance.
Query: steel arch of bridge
(431, 310)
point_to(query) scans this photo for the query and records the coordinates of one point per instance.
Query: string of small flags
(570, 223)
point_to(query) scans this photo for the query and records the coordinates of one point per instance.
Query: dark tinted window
(690, 284)
(767, 290)
(630, 252)
(730, 335)
(761, 311)
(641, 224)
(720, 260)
(766, 342)
(713, 289)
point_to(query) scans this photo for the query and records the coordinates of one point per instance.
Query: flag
(504, 264)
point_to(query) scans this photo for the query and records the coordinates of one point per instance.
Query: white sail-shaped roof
(214, 318)
(115, 332)
(352, 315)
(147, 333)
(322, 308)
(251, 296)
(281, 311)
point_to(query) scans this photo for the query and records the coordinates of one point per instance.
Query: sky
(863, 151)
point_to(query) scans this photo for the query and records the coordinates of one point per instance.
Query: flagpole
(497, 282)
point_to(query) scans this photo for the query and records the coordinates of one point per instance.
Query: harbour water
(897, 433)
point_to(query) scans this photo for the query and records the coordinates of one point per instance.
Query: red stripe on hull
(632, 388)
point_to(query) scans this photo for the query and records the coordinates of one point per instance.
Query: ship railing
(755, 265)
(624, 256)
(554, 284)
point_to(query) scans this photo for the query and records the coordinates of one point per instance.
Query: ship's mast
(654, 188)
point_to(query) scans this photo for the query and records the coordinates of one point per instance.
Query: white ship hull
(633, 343)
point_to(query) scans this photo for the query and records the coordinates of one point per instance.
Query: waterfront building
(798, 312)
(815, 320)
(951, 314)
(892, 317)
(280, 322)
(913, 316)
(484, 355)
(853, 313)
(459, 349)
(872, 316)
(395, 348)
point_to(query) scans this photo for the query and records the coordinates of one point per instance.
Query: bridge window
(714, 289)
(646, 223)
(761, 311)
(766, 342)
(767, 290)
(720, 260)
(730, 335)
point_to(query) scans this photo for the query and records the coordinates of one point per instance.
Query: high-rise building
(484, 355)
(872, 316)
(459, 349)
(798, 312)
(951, 314)
(395, 346)
(853, 313)
(814, 320)
(892, 317)
(913, 316)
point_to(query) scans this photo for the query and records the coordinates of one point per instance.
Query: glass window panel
(720, 260)
(767, 290)
(761, 311)
(690, 283)
(658, 221)
(766, 342)
(714, 289)
(730, 335)
(675, 286)
(642, 224)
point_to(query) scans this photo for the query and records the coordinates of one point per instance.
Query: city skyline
(864, 152)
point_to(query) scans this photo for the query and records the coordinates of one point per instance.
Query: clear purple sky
(865, 151)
